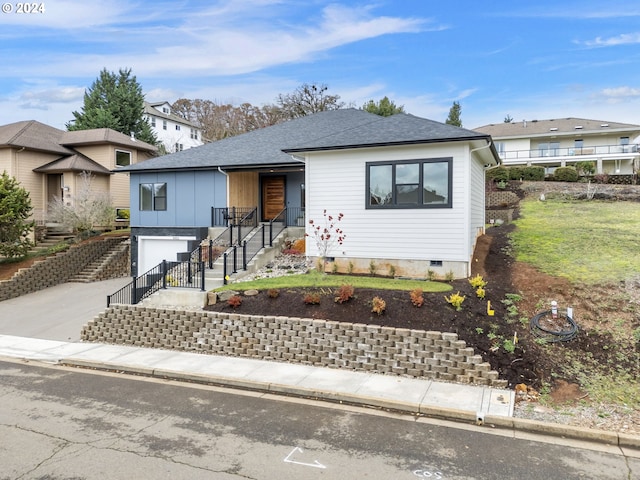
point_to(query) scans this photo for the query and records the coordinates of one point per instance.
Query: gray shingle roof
(332, 129)
(399, 129)
(33, 135)
(150, 109)
(527, 128)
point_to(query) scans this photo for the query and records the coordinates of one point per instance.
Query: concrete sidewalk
(454, 401)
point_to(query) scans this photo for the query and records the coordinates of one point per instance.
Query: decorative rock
(226, 295)
(251, 293)
(212, 298)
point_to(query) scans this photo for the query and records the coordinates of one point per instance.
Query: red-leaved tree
(327, 235)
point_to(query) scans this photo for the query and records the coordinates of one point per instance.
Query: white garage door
(153, 250)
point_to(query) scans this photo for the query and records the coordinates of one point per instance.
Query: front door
(272, 197)
(54, 188)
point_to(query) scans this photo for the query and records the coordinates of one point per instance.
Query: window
(624, 140)
(165, 110)
(153, 122)
(123, 159)
(194, 134)
(178, 128)
(578, 143)
(164, 124)
(153, 196)
(409, 184)
(179, 147)
(548, 149)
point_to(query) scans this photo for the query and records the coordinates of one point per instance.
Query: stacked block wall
(369, 348)
(55, 269)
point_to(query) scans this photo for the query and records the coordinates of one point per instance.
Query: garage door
(153, 250)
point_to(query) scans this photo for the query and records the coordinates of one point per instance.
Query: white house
(411, 190)
(173, 131)
(611, 146)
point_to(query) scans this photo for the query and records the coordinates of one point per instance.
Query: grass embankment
(591, 243)
(588, 242)
(315, 279)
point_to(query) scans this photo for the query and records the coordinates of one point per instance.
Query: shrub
(299, 245)
(602, 178)
(334, 267)
(450, 276)
(312, 299)
(516, 173)
(416, 297)
(234, 301)
(350, 268)
(533, 174)
(273, 293)
(431, 275)
(455, 299)
(481, 292)
(498, 174)
(586, 168)
(378, 305)
(345, 293)
(565, 174)
(372, 268)
(477, 281)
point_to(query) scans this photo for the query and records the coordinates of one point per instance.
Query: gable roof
(528, 128)
(150, 109)
(33, 135)
(98, 136)
(342, 128)
(74, 163)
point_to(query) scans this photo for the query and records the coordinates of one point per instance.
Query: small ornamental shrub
(372, 268)
(455, 299)
(516, 173)
(533, 173)
(345, 293)
(378, 305)
(416, 297)
(565, 174)
(299, 245)
(601, 178)
(477, 282)
(273, 293)
(392, 271)
(481, 292)
(450, 276)
(334, 267)
(312, 299)
(235, 301)
(350, 268)
(498, 174)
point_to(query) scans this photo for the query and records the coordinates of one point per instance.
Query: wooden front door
(272, 197)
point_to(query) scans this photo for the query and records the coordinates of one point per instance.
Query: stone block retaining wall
(56, 269)
(370, 348)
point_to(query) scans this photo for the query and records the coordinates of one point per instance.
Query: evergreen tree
(384, 108)
(454, 115)
(114, 101)
(15, 208)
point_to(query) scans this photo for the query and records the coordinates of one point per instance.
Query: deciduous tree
(308, 99)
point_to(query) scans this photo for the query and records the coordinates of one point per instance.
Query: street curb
(508, 423)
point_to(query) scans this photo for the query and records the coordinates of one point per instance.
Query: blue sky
(526, 59)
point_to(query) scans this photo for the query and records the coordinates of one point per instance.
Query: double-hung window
(409, 184)
(153, 196)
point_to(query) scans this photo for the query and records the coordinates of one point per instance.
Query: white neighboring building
(561, 142)
(173, 131)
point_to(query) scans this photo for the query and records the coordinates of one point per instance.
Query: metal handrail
(568, 151)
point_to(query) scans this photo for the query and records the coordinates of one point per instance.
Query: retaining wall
(370, 348)
(59, 268)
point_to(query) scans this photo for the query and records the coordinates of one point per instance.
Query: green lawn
(584, 241)
(315, 279)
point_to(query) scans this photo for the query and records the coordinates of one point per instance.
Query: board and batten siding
(336, 181)
(190, 196)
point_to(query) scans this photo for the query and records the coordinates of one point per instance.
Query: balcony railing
(569, 151)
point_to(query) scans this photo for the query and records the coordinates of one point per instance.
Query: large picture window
(153, 196)
(409, 184)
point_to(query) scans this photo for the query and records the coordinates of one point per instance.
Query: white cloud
(622, 39)
(620, 94)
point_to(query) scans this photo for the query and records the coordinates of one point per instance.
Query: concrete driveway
(57, 313)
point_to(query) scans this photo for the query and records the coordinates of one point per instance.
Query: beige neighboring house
(611, 146)
(49, 162)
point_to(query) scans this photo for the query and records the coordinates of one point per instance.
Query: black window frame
(155, 199)
(420, 204)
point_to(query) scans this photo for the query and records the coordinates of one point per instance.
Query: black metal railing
(295, 216)
(166, 274)
(226, 216)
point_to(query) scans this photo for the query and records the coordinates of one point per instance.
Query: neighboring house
(173, 131)
(611, 146)
(48, 162)
(411, 190)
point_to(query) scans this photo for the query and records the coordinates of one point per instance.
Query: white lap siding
(336, 181)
